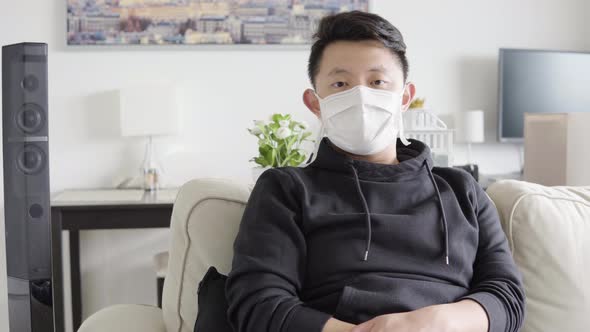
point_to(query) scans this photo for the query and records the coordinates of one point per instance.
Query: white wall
(452, 46)
(587, 31)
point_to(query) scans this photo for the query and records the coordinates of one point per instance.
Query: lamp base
(151, 179)
(150, 170)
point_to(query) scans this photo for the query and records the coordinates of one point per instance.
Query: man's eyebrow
(338, 70)
(379, 68)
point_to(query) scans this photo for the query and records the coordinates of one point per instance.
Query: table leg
(75, 278)
(57, 272)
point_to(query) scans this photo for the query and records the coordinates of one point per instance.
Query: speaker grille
(26, 161)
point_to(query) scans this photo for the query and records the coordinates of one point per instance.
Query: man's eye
(338, 84)
(379, 82)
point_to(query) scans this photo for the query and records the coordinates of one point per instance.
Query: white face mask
(361, 120)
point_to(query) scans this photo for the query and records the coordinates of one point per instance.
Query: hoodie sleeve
(269, 262)
(497, 283)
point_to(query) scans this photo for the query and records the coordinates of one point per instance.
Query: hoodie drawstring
(368, 214)
(442, 211)
(366, 208)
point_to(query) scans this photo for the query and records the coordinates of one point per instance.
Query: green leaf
(269, 155)
(301, 158)
(295, 158)
(291, 141)
(277, 117)
(264, 150)
(276, 158)
(261, 161)
(261, 126)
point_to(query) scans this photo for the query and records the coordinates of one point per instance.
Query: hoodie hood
(411, 159)
(414, 160)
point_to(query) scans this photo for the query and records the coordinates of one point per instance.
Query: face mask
(361, 120)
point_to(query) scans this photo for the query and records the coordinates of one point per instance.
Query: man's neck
(388, 156)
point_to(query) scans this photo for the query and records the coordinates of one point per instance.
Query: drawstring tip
(366, 254)
(447, 259)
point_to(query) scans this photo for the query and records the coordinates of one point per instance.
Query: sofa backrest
(548, 229)
(205, 221)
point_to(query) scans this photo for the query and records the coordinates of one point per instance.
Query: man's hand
(427, 319)
(465, 315)
(335, 325)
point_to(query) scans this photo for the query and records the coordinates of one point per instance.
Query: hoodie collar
(411, 160)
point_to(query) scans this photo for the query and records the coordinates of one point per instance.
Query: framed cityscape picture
(199, 22)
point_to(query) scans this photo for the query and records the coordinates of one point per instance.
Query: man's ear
(311, 101)
(409, 94)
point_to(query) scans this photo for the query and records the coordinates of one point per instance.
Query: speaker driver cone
(30, 118)
(30, 160)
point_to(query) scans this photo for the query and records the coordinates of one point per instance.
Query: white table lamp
(470, 129)
(149, 111)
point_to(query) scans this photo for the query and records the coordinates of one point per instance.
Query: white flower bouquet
(279, 141)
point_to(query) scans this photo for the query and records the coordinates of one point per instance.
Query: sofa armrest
(125, 318)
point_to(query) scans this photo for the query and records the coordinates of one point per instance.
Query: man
(369, 236)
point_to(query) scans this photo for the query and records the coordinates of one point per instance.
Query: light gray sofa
(548, 230)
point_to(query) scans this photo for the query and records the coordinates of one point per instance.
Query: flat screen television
(537, 81)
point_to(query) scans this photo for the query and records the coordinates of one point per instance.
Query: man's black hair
(355, 26)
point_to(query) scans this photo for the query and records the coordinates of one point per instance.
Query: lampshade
(148, 111)
(470, 127)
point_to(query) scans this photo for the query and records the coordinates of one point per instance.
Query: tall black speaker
(26, 187)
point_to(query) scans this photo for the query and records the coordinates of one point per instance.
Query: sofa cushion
(548, 229)
(125, 318)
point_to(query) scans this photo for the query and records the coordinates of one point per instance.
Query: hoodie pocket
(354, 306)
(342, 310)
(367, 298)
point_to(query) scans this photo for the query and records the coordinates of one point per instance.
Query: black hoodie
(354, 239)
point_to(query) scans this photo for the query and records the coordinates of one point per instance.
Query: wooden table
(77, 210)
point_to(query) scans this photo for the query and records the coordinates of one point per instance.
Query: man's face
(346, 64)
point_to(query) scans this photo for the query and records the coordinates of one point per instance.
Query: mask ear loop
(402, 135)
(318, 140)
(316, 147)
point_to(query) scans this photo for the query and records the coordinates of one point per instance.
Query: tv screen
(532, 81)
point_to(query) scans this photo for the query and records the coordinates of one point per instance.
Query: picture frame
(230, 23)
